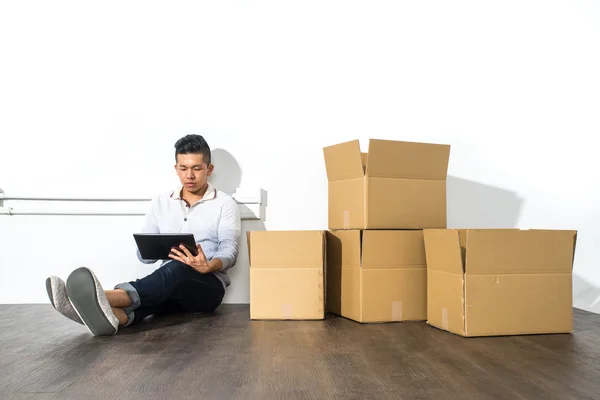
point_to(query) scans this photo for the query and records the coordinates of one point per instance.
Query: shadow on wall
(585, 295)
(476, 205)
(227, 177)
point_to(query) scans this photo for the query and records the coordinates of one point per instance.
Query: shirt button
(185, 219)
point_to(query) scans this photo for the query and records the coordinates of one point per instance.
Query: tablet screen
(157, 246)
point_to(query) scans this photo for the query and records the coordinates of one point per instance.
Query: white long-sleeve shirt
(214, 220)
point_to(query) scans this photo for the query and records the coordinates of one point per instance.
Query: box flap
(393, 248)
(513, 251)
(350, 246)
(574, 243)
(409, 160)
(574, 248)
(445, 301)
(286, 249)
(333, 274)
(343, 161)
(443, 250)
(343, 272)
(363, 157)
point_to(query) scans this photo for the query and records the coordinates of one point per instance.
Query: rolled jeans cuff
(133, 295)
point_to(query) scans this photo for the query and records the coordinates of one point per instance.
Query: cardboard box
(396, 185)
(377, 275)
(287, 274)
(500, 282)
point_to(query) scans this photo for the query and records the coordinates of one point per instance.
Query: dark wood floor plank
(227, 356)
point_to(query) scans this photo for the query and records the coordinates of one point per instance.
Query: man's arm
(150, 226)
(229, 232)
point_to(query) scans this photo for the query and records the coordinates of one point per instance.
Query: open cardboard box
(287, 274)
(396, 185)
(487, 282)
(377, 275)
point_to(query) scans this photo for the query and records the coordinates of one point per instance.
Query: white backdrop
(94, 95)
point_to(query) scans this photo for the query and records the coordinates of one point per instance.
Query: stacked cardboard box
(388, 255)
(376, 275)
(379, 204)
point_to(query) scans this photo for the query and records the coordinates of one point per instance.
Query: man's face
(192, 171)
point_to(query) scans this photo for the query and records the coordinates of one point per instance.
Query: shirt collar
(210, 194)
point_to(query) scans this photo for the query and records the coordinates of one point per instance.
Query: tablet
(157, 246)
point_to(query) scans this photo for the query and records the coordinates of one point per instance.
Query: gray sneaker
(57, 293)
(90, 302)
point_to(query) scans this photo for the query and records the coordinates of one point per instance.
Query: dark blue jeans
(174, 287)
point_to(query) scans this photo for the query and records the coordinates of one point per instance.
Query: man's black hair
(193, 144)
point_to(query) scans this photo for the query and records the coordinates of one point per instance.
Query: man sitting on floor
(185, 283)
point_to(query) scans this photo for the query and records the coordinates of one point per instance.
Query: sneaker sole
(82, 293)
(49, 290)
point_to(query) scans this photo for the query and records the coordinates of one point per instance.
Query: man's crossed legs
(173, 287)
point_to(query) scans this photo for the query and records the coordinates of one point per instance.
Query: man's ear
(211, 167)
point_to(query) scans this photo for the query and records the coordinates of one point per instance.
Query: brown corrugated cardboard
(489, 282)
(376, 275)
(287, 274)
(396, 185)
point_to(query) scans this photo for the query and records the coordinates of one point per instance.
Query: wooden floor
(226, 356)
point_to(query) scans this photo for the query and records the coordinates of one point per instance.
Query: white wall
(92, 98)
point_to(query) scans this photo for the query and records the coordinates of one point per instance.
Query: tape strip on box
(396, 311)
(286, 311)
(445, 318)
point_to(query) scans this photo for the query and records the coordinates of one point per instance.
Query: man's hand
(197, 262)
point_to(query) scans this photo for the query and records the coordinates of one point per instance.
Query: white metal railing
(29, 198)
(26, 211)
(249, 203)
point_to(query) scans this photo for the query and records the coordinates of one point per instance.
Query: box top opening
(500, 251)
(387, 159)
(382, 248)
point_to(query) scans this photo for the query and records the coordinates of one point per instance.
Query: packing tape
(445, 319)
(396, 311)
(346, 219)
(286, 311)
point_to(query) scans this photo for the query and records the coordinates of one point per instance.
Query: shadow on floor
(154, 322)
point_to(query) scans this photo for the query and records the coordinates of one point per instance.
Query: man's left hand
(197, 262)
